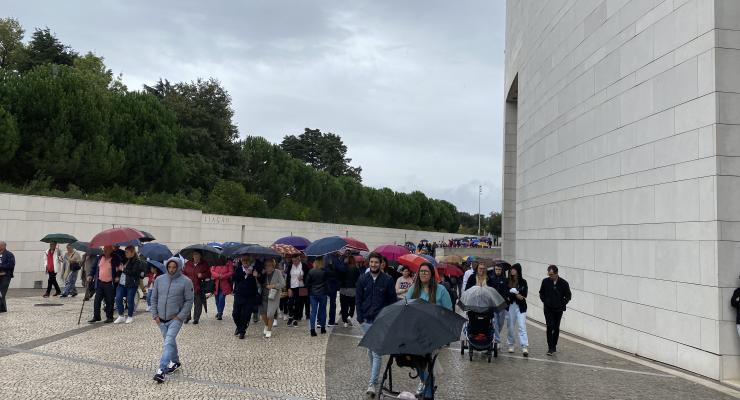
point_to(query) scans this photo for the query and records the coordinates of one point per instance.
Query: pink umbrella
(392, 251)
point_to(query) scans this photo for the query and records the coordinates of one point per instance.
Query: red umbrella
(353, 243)
(451, 270)
(359, 259)
(412, 261)
(391, 251)
(110, 237)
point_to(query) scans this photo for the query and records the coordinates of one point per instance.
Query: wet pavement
(44, 353)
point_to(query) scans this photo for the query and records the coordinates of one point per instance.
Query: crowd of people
(287, 289)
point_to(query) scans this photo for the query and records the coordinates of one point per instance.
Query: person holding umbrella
(426, 288)
(104, 274)
(296, 273)
(272, 284)
(245, 294)
(221, 275)
(72, 263)
(131, 271)
(480, 278)
(374, 291)
(317, 283)
(52, 262)
(197, 270)
(501, 284)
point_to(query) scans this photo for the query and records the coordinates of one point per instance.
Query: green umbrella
(59, 238)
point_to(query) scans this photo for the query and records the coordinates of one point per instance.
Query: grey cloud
(413, 87)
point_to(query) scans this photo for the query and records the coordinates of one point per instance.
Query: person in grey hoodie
(172, 299)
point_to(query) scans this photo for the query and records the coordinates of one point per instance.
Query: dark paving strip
(32, 344)
(138, 371)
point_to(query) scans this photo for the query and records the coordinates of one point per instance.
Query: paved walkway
(43, 352)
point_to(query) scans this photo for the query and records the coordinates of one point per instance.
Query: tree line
(70, 128)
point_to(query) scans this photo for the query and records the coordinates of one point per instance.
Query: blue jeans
(69, 284)
(169, 331)
(428, 386)
(220, 302)
(130, 294)
(149, 297)
(499, 325)
(332, 307)
(518, 319)
(374, 358)
(318, 306)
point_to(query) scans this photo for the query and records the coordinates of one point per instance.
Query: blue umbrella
(299, 242)
(155, 251)
(430, 259)
(216, 245)
(158, 265)
(325, 246)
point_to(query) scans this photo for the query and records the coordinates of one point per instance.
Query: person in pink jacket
(221, 275)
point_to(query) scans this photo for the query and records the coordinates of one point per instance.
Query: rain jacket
(373, 294)
(521, 287)
(172, 295)
(191, 271)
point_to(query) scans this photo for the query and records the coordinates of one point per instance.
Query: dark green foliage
(69, 128)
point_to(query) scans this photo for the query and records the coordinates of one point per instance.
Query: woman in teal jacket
(426, 288)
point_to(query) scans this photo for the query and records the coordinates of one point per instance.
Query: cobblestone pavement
(44, 353)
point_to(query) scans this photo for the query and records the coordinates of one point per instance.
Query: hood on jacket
(176, 260)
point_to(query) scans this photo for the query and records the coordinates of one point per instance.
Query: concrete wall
(627, 172)
(26, 219)
(493, 253)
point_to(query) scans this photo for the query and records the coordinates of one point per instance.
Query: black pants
(241, 312)
(104, 290)
(346, 307)
(4, 284)
(552, 319)
(52, 282)
(297, 305)
(197, 307)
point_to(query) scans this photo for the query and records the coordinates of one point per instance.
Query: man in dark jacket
(7, 265)
(735, 302)
(172, 299)
(245, 293)
(555, 295)
(374, 291)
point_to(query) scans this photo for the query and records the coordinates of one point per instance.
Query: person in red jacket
(197, 270)
(221, 275)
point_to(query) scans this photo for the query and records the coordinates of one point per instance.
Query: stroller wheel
(462, 348)
(489, 358)
(470, 353)
(495, 350)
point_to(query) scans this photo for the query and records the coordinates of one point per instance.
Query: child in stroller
(479, 334)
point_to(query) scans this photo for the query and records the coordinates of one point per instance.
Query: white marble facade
(26, 219)
(622, 166)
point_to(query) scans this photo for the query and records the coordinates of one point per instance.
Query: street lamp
(480, 191)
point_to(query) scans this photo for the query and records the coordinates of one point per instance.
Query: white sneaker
(129, 320)
(345, 324)
(285, 317)
(525, 351)
(148, 308)
(120, 319)
(264, 331)
(268, 334)
(420, 388)
(511, 349)
(274, 323)
(370, 390)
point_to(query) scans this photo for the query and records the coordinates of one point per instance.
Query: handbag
(75, 266)
(302, 292)
(272, 294)
(207, 286)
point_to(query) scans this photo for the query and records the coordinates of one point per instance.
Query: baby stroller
(478, 335)
(416, 363)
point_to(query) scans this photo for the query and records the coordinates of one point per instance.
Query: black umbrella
(85, 248)
(412, 327)
(256, 251)
(59, 238)
(148, 237)
(228, 248)
(155, 251)
(210, 254)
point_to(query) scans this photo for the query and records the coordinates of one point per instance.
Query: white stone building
(622, 166)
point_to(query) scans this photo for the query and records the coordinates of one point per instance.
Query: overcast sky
(414, 88)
